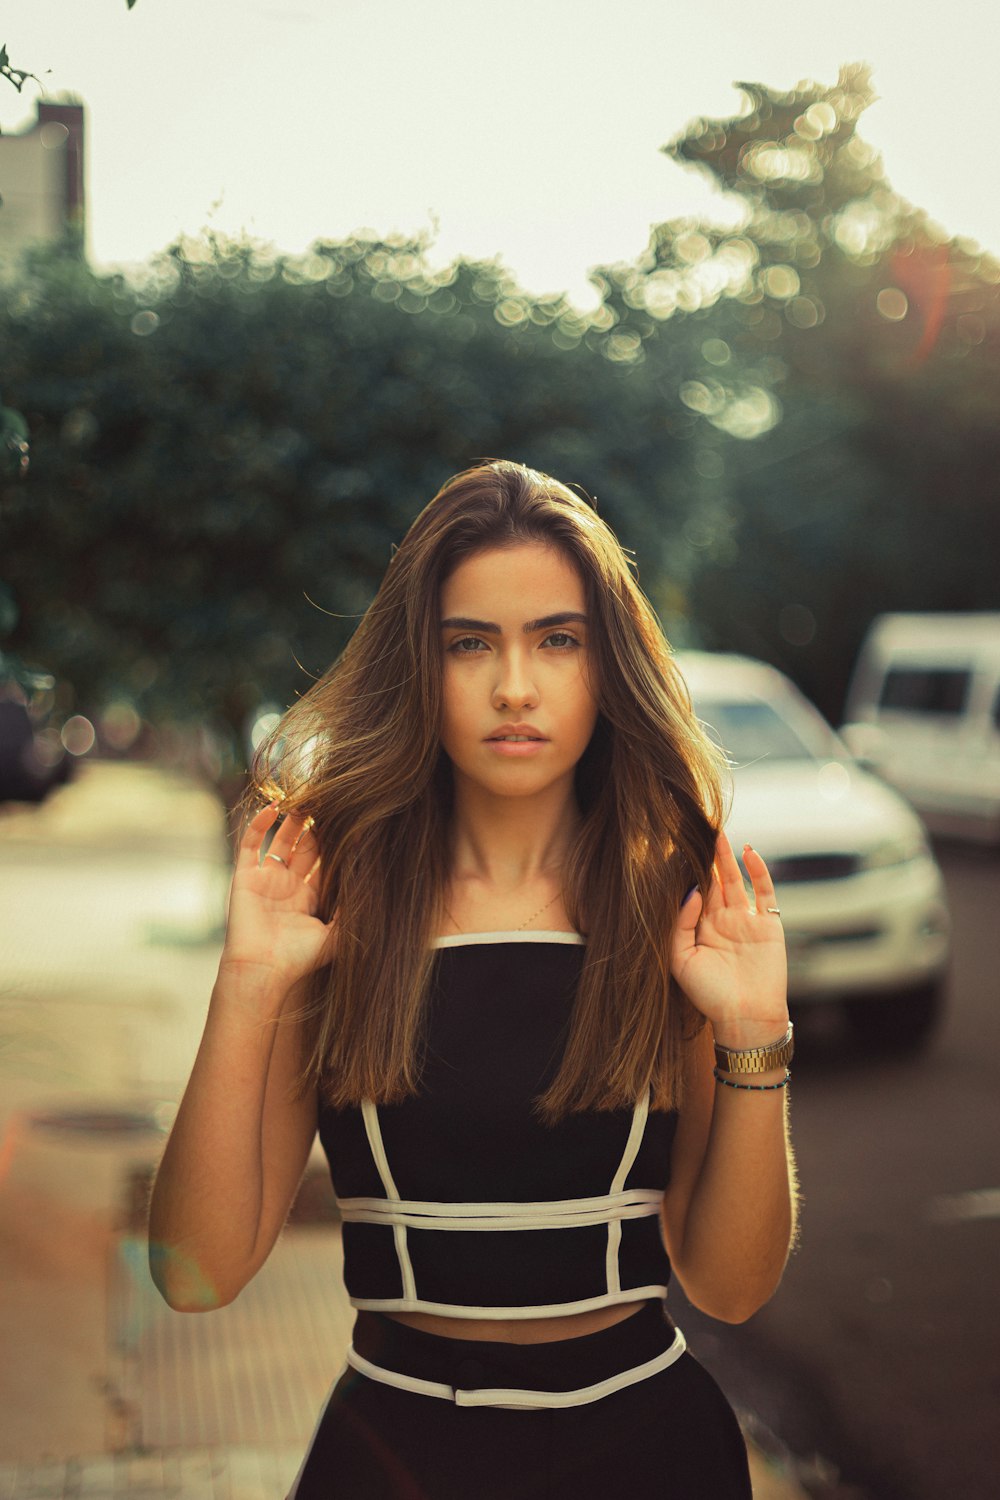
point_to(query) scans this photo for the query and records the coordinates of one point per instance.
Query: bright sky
(528, 128)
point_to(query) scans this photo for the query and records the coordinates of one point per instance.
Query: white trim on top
(511, 1398)
(561, 1213)
(373, 1130)
(461, 939)
(639, 1116)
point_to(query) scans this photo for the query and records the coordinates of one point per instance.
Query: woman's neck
(508, 843)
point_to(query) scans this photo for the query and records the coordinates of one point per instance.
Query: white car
(862, 898)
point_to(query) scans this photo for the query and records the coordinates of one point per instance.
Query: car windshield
(752, 731)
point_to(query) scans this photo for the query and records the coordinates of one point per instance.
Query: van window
(926, 690)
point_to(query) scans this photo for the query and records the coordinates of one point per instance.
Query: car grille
(852, 935)
(799, 867)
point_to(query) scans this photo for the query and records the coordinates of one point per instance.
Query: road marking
(983, 1203)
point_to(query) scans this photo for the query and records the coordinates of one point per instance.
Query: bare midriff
(520, 1330)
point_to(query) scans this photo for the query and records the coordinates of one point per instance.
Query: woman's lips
(516, 749)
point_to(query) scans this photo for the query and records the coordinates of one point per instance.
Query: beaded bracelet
(755, 1088)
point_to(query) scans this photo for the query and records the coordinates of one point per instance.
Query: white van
(923, 708)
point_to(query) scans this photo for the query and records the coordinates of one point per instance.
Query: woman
(501, 952)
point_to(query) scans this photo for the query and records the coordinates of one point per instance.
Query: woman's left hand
(729, 957)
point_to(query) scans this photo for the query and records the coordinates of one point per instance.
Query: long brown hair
(360, 751)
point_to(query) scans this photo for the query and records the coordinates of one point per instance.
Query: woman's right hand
(272, 928)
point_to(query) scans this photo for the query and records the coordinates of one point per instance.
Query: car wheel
(903, 1021)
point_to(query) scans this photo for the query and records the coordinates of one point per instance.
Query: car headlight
(897, 851)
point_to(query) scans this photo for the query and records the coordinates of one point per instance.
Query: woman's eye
(472, 645)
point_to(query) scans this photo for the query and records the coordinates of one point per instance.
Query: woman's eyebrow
(547, 622)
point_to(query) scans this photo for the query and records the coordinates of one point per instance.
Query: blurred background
(268, 276)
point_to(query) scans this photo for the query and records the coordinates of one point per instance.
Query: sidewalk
(113, 896)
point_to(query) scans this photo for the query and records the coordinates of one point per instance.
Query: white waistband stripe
(511, 1398)
(562, 1213)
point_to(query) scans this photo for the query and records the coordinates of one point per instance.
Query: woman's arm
(730, 1212)
(236, 1152)
(241, 1139)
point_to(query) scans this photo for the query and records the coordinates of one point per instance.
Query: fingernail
(690, 893)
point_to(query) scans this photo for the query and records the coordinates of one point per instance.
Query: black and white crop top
(458, 1201)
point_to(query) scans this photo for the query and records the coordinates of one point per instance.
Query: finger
(729, 872)
(304, 851)
(304, 837)
(291, 835)
(253, 834)
(765, 899)
(684, 939)
(690, 911)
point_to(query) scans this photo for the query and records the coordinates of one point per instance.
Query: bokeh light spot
(144, 323)
(781, 282)
(971, 328)
(716, 352)
(804, 312)
(705, 397)
(751, 414)
(265, 723)
(78, 735)
(53, 135)
(660, 295)
(892, 303)
(511, 312)
(692, 247)
(822, 117)
(624, 347)
(120, 725)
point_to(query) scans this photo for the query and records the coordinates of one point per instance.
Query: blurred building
(41, 181)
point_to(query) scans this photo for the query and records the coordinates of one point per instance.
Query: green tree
(842, 391)
(225, 454)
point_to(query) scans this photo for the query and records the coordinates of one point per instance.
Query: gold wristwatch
(757, 1059)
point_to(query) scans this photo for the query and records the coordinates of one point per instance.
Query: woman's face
(514, 638)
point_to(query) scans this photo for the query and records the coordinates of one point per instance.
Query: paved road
(882, 1349)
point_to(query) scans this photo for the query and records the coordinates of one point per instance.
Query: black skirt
(624, 1411)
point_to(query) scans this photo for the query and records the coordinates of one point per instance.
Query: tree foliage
(225, 453)
(845, 389)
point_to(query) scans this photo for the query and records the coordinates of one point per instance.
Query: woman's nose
(514, 684)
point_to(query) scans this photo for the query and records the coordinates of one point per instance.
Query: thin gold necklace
(524, 924)
(538, 913)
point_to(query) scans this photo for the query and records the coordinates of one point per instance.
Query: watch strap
(757, 1059)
